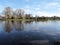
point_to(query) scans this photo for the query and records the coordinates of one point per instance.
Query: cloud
(1, 8)
(36, 10)
(39, 13)
(39, 7)
(51, 5)
(27, 0)
(32, 10)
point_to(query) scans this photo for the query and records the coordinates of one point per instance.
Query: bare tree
(8, 12)
(19, 13)
(27, 16)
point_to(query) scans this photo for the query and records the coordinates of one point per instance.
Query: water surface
(29, 32)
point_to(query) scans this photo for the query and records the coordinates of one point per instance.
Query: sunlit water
(27, 33)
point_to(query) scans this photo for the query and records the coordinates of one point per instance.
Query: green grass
(20, 19)
(27, 19)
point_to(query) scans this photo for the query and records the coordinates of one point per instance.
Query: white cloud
(40, 13)
(1, 8)
(27, 0)
(51, 5)
(36, 11)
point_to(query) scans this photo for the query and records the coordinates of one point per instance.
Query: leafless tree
(8, 12)
(19, 13)
(27, 16)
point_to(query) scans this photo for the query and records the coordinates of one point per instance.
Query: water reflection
(8, 26)
(27, 22)
(17, 25)
(30, 31)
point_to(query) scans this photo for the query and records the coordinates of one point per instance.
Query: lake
(29, 32)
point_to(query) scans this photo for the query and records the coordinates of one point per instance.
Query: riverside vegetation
(19, 14)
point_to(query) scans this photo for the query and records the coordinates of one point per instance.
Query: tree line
(20, 14)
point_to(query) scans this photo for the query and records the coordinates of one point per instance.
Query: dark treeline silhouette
(8, 13)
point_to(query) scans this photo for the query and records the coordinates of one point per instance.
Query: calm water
(29, 33)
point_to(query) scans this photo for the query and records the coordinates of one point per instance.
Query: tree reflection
(15, 25)
(7, 26)
(18, 25)
(27, 22)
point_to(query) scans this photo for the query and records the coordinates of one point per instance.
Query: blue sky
(35, 7)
